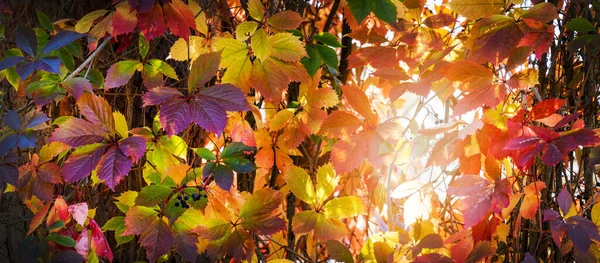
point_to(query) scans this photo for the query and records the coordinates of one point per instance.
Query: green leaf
(114, 223)
(206, 154)
(384, 10)
(300, 184)
(152, 195)
(328, 55)
(343, 207)
(64, 241)
(328, 39)
(56, 225)
(126, 200)
(44, 21)
(143, 45)
(580, 25)
(240, 164)
(235, 148)
(360, 9)
(163, 68)
(312, 63)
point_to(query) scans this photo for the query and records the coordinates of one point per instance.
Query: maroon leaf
(82, 162)
(558, 229)
(185, 245)
(551, 155)
(113, 166)
(179, 18)
(77, 132)
(157, 240)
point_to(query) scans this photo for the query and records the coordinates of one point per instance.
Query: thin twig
(289, 250)
(89, 59)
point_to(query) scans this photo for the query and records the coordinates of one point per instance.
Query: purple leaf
(564, 200)
(175, 116)
(160, 95)
(589, 226)
(157, 240)
(82, 162)
(37, 119)
(76, 86)
(27, 140)
(49, 64)
(185, 245)
(77, 132)
(558, 228)
(8, 174)
(61, 39)
(528, 258)
(134, 147)
(67, 256)
(578, 235)
(13, 120)
(10, 61)
(549, 215)
(142, 6)
(9, 142)
(208, 115)
(224, 177)
(113, 166)
(26, 40)
(228, 96)
(25, 69)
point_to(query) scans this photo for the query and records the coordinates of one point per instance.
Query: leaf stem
(89, 59)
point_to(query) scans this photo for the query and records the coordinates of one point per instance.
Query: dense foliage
(301, 131)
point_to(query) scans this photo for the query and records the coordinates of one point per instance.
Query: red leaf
(152, 23)
(439, 20)
(124, 20)
(551, 155)
(477, 192)
(77, 132)
(546, 108)
(179, 18)
(433, 258)
(522, 142)
(99, 242)
(481, 251)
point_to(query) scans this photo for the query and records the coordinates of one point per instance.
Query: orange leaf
(531, 199)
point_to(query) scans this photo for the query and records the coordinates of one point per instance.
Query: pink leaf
(79, 212)
(82, 245)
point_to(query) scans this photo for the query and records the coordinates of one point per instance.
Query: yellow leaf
(300, 184)
(475, 9)
(281, 119)
(121, 124)
(326, 182)
(329, 228)
(596, 214)
(343, 207)
(177, 172)
(524, 79)
(261, 45)
(232, 50)
(197, 47)
(238, 73)
(287, 47)
(85, 23)
(200, 19)
(256, 9)
(245, 30)
(280, 261)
